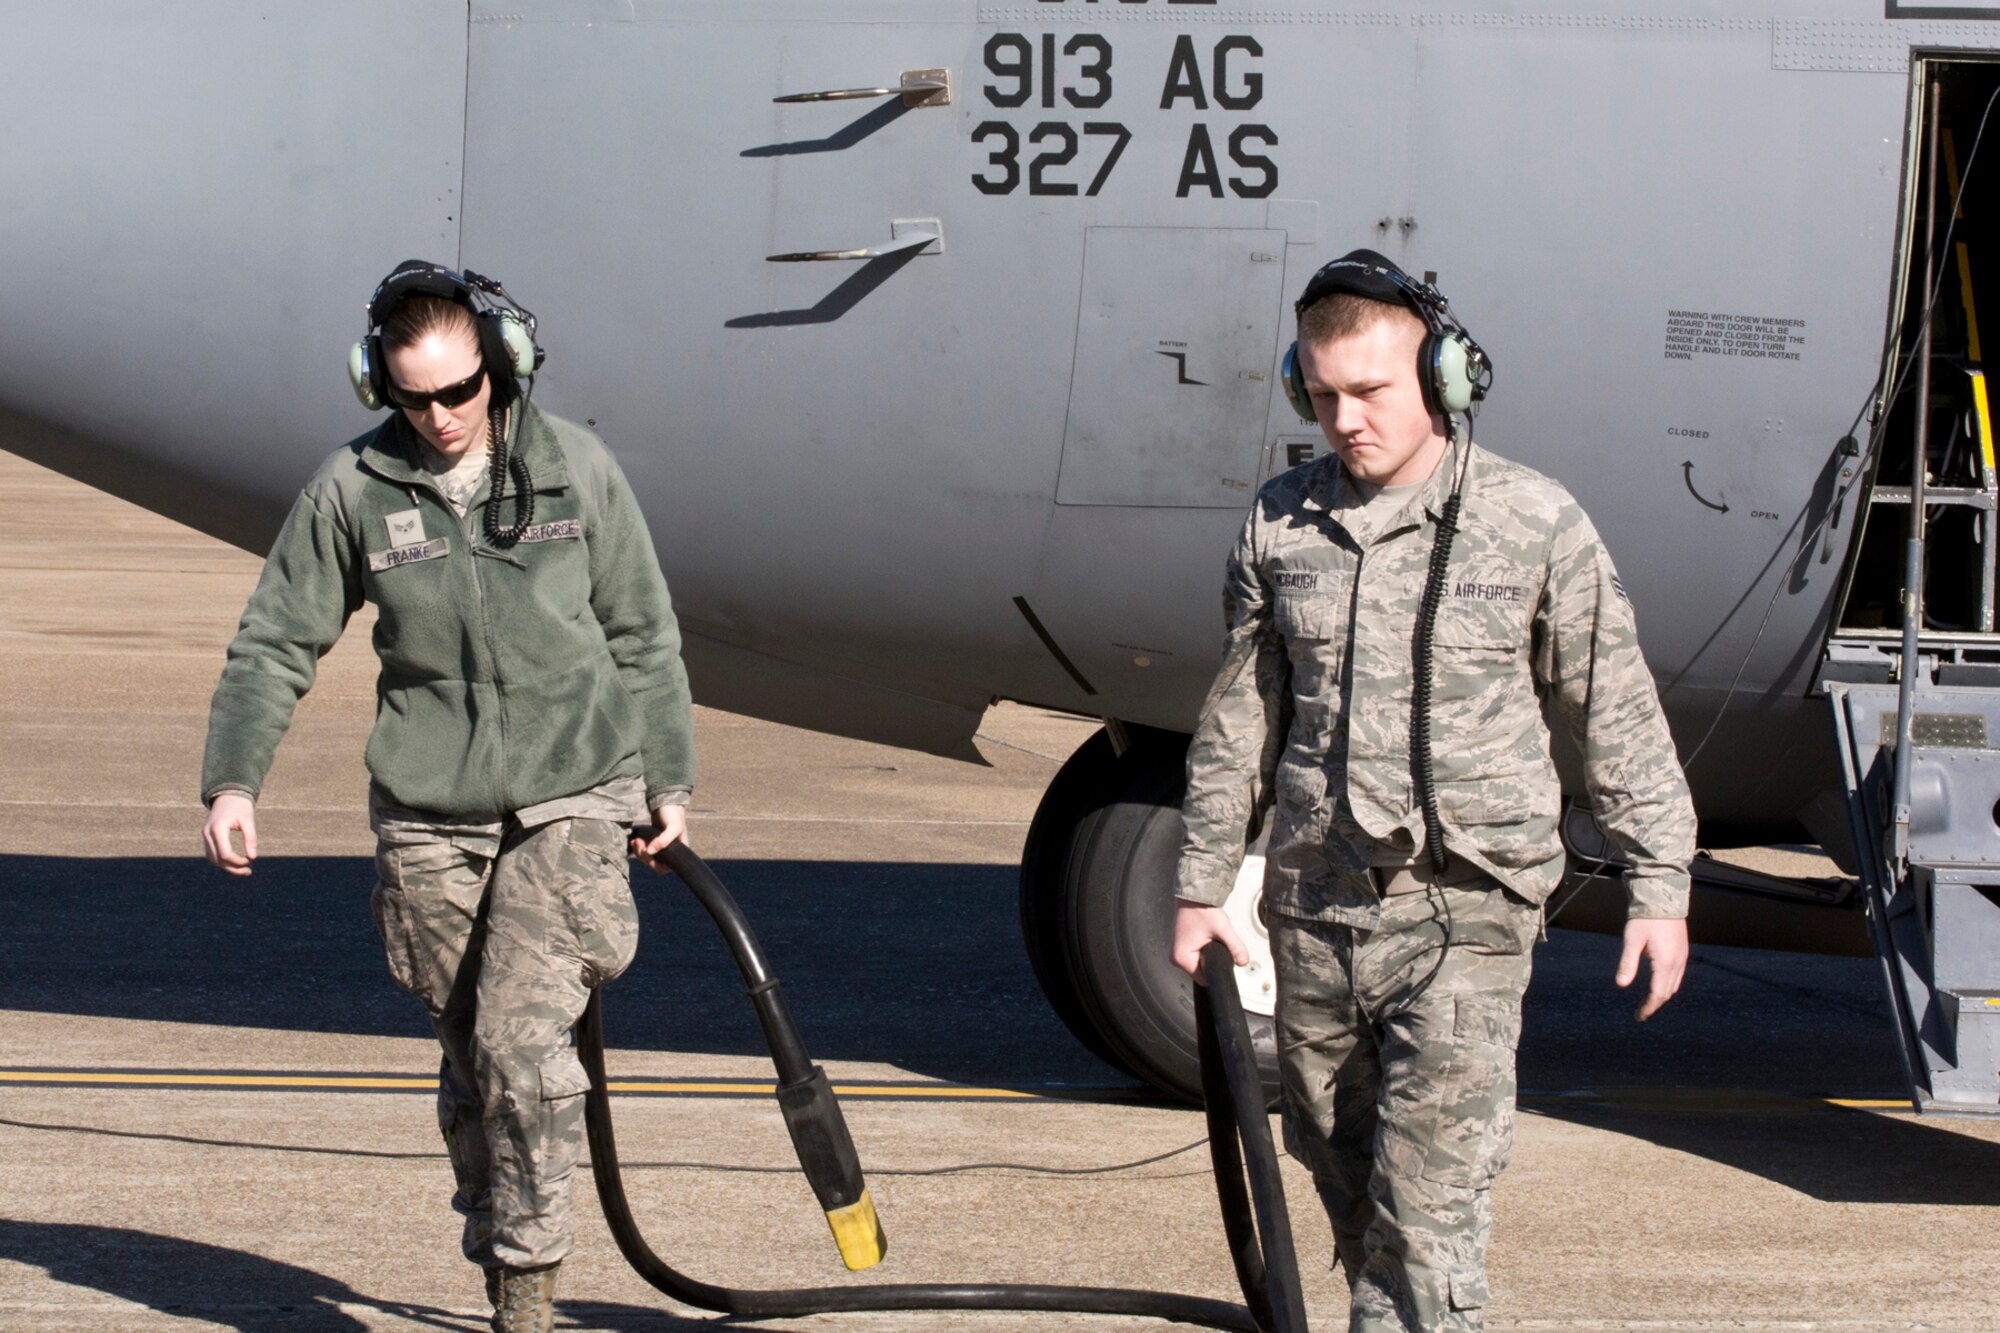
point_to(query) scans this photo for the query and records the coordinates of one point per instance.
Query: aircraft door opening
(1176, 348)
(1915, 706)
(1963, 483)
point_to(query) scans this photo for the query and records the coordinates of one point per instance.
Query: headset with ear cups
(508, 353)
(1452, 369)
(505, 329)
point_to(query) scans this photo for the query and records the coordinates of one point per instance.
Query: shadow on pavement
(189, 1279)
(894, 963)
(234, 1289)
(1829, 1153)
(1748, 1020)
(1729, 1071)
(916, 965)
(921, 966)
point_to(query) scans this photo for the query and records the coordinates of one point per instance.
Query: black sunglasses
(451, 395)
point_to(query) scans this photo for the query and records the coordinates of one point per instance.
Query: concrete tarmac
(214, 1107)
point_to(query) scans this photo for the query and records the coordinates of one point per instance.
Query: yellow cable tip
(858, 1233)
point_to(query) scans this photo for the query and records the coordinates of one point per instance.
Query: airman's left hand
(670, 825)
(1663, 943)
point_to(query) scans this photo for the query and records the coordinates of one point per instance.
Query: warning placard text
(1693, 333)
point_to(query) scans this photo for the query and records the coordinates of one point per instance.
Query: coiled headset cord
(1255, 1222)
(507, 462)
(1423, 666)
(1423, 662)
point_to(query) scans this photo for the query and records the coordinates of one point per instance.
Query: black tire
(1097, 909)
(1078, 786)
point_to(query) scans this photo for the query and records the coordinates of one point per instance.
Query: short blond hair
(1344, 314)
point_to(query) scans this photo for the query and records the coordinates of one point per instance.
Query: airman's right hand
(227, 813)
(1194, 927)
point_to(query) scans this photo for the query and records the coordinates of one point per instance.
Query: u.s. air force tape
(1489, 592)
(559, 530)
(403, 555)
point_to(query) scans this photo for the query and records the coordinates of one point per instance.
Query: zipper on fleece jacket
(469, 525)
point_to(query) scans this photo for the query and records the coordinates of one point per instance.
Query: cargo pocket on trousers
(559, 1145)
(599, 895)
(1474, 1133)
(399, 940)
(1468, 1289)
(413, 879)
(562, 1076)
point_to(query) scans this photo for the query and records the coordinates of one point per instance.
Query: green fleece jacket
(509, 676)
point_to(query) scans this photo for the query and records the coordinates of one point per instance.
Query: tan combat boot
(524, 1299)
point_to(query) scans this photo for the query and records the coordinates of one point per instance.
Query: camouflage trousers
(1399, 1098)
(503, 939)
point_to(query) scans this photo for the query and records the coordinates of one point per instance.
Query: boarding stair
(1933, 909)
(1913, 679)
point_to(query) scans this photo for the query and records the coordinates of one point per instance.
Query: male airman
(1405, 878)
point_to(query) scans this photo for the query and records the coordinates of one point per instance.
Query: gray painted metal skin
(853, 470)
(1676, 231)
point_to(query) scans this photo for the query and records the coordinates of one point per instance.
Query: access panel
(1176, 351)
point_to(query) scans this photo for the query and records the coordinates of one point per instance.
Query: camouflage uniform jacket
(1309, 716)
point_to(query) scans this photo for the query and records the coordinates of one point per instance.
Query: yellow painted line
(840, 1090)
(219, 1080)
(1672, 1100)
(1984, 411)
(1982, 408)
(382, 1083)
(990, 1094)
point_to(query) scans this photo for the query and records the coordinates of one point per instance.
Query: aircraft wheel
(1078, 785)
(1097, 910)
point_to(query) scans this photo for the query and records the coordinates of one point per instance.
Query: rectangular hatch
(1176, 363)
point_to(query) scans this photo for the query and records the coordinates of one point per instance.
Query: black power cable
(1239, 1127)
(1259, 1234)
